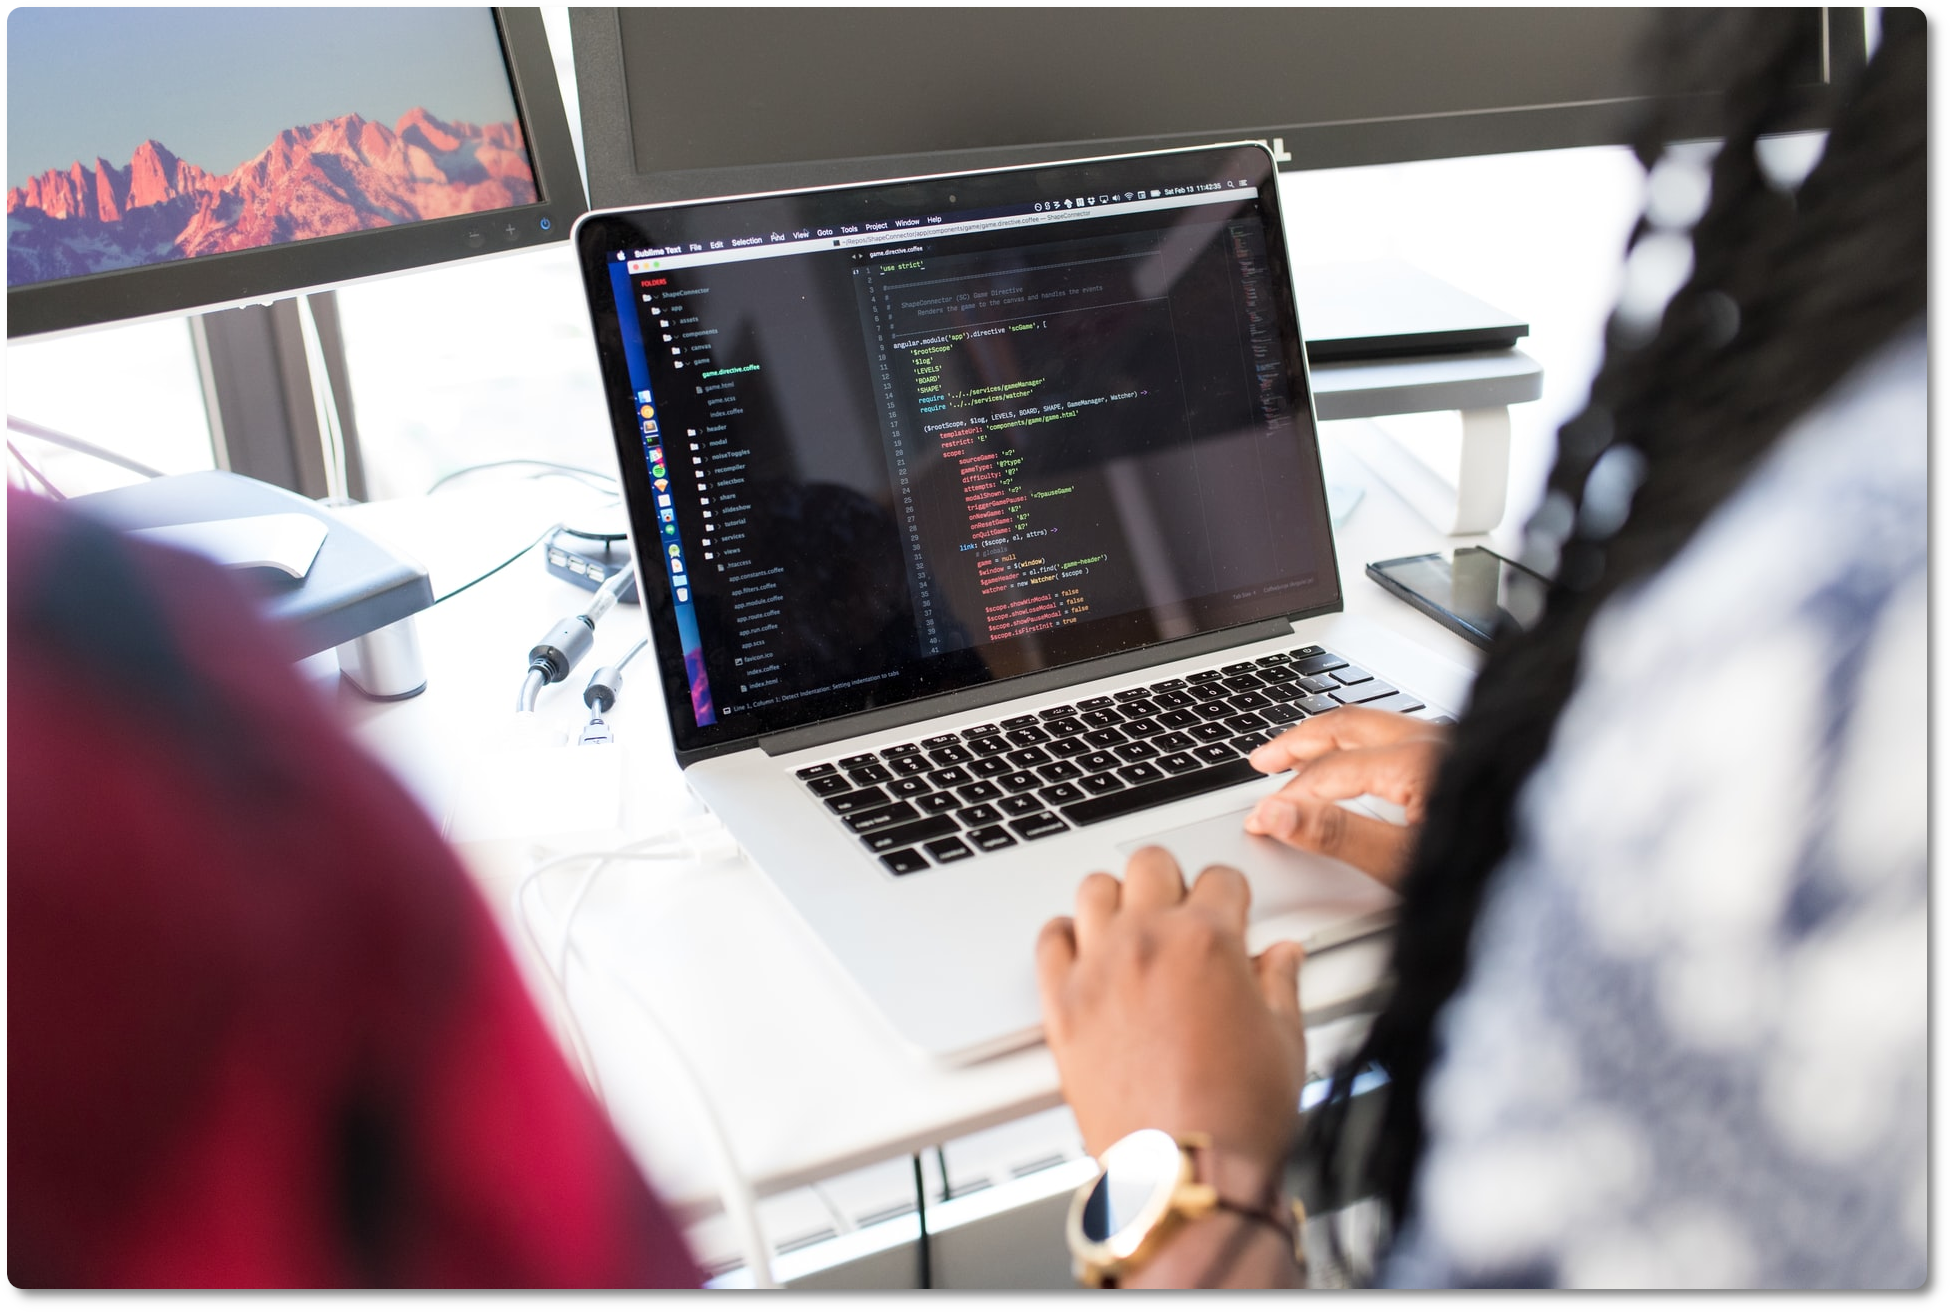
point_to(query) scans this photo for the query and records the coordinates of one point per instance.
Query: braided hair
(1790, 288)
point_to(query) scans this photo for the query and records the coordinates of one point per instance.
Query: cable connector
(563, 647)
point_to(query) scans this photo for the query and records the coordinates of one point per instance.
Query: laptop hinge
(969, 699)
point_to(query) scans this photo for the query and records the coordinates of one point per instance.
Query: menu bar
(802, 241)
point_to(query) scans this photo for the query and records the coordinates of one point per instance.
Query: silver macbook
(980, 526)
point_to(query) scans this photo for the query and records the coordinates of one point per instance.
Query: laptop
(980, 527)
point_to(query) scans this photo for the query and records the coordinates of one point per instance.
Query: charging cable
(600, 695)
(702, 839)
(564, 646)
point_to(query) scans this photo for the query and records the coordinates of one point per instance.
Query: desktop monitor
(682, 102)
(162, 161)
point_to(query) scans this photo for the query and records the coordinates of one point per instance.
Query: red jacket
(261, 1028)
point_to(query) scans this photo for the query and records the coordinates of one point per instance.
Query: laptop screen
(890, 441)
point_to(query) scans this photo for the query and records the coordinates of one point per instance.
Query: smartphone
(1470, 591)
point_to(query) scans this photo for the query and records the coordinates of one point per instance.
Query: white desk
(800, 1070)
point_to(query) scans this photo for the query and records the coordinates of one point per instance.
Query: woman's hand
(1159, 1019)
(1342, 754)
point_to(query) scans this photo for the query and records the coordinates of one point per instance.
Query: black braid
(1789, 291)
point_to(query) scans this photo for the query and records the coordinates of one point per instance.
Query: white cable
(735, 1192)
(557, 977)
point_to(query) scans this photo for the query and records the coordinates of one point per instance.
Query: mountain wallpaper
(342, 175)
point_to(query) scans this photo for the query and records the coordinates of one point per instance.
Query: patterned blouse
(1692, 1046)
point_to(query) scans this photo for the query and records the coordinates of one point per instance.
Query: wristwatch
(1148, 1184)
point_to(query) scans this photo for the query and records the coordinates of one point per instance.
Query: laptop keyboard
(991, 786)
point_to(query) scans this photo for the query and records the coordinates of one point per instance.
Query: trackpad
(1317, 899)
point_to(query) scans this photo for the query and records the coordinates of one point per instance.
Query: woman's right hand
(1343, 754)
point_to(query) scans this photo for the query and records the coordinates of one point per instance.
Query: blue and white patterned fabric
(1691, 1049)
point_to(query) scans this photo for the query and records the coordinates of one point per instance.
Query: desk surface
(798, 1067)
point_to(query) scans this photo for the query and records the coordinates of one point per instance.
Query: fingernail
(1273, 817)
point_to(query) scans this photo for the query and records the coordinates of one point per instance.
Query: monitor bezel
(265, 273)
(603, 231)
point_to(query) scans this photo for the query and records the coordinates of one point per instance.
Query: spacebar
(1111, 805)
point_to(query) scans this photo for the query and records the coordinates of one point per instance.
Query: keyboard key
(943, 740)
(1237, 667)
(1245, 722)
(944, 850)
(910, 765)
(886, 816)
(936, 803)
(1283, 691)
(1095, 761)
(1203, 676)
(982, 790)
(1317, 705)
(1068, 747)
(1021, 804)
(909, 787)
(1067, 725)
(1277, 658)
(1167, 686)
(905, 862)
(1101, 783)
(1017, 722)
(1019, 782)
(1057, 771)
(987, 767)
(855, 762)
(1401, 701)
(953, 754)
(1136, 751)
(1173, 701)
(873, 772)
(1129, 695)
(1316, 683)
(1371, 691)
(1177, 763)
(1028, 737)
(1215, 753)
(1208, 733)
(1249, 701)
(1040, 825)
(827, 785)
(1102, 719)
(1141, 773)
(846, 803)
(1243, 682)
(1318, 663)
(1178, 719)
(1174, 788)
(1143, 728)
(975, 731)
(991, 744)
(886, 840)
(992, 839)
(1247, 742)
(1218, 710)
(952, 777)
(1049, 713)
(1093, 703)
(980, 814)
(1301, 653)
(1174, 742)
(1208, 692)
(1062, 794)
(1352, 674)
(815, 771)
(1104, 738)
(888, 754)
(1024, 757)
